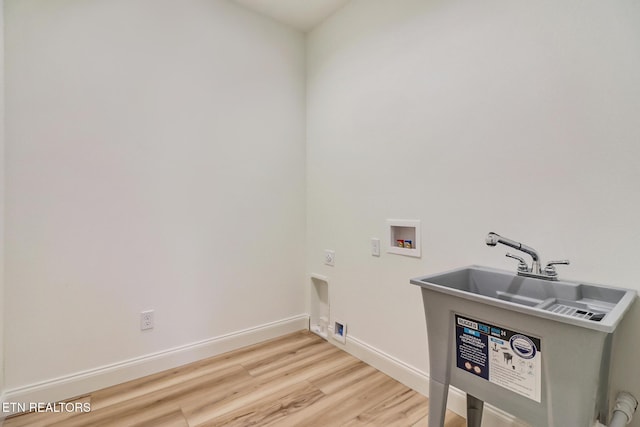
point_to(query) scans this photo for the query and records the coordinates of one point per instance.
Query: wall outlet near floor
(146, 320)
(329, 257)
(340, 331)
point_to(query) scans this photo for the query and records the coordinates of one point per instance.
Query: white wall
(514, 117)
(155, 160)
(154, 154)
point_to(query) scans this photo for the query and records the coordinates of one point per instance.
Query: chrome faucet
(548, 273)
(493, 239)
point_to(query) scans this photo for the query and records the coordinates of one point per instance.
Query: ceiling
(302, 15)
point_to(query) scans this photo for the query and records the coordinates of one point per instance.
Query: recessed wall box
(320, 312)
(404, 237)
(340, 331)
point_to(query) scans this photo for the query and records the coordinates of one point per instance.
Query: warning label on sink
(501, 356)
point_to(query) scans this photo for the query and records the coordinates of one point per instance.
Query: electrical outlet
(146, 320)
(329, 257)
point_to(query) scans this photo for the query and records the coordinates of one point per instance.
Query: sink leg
(437, 403)
(474, 411)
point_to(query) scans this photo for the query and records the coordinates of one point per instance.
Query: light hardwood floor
(295, 380)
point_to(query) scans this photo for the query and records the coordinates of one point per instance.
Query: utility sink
(537, 349)
(582, 304)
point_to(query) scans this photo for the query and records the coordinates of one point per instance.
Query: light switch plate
(375, 247)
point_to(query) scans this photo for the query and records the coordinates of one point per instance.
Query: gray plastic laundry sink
(592, 306)
(537, 349)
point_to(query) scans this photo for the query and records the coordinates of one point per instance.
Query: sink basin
(537, 349)
(593, 306)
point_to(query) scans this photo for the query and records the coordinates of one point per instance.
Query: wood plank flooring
(295, 380)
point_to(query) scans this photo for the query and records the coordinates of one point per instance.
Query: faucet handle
(522, 265)
(550, 270)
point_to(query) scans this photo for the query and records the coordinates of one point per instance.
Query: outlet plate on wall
(329, 257)
(146, 320)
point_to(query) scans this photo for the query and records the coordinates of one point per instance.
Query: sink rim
(607, 324)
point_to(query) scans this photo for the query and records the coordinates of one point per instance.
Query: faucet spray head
(492, 239)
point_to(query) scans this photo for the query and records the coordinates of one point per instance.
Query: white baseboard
(84, 382)
(419, 381)
(79, 383)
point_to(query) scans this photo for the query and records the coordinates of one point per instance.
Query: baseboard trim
(80, 383)
(419, 380)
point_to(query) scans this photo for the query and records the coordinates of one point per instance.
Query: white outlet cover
(146, 320)
(329, 257)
